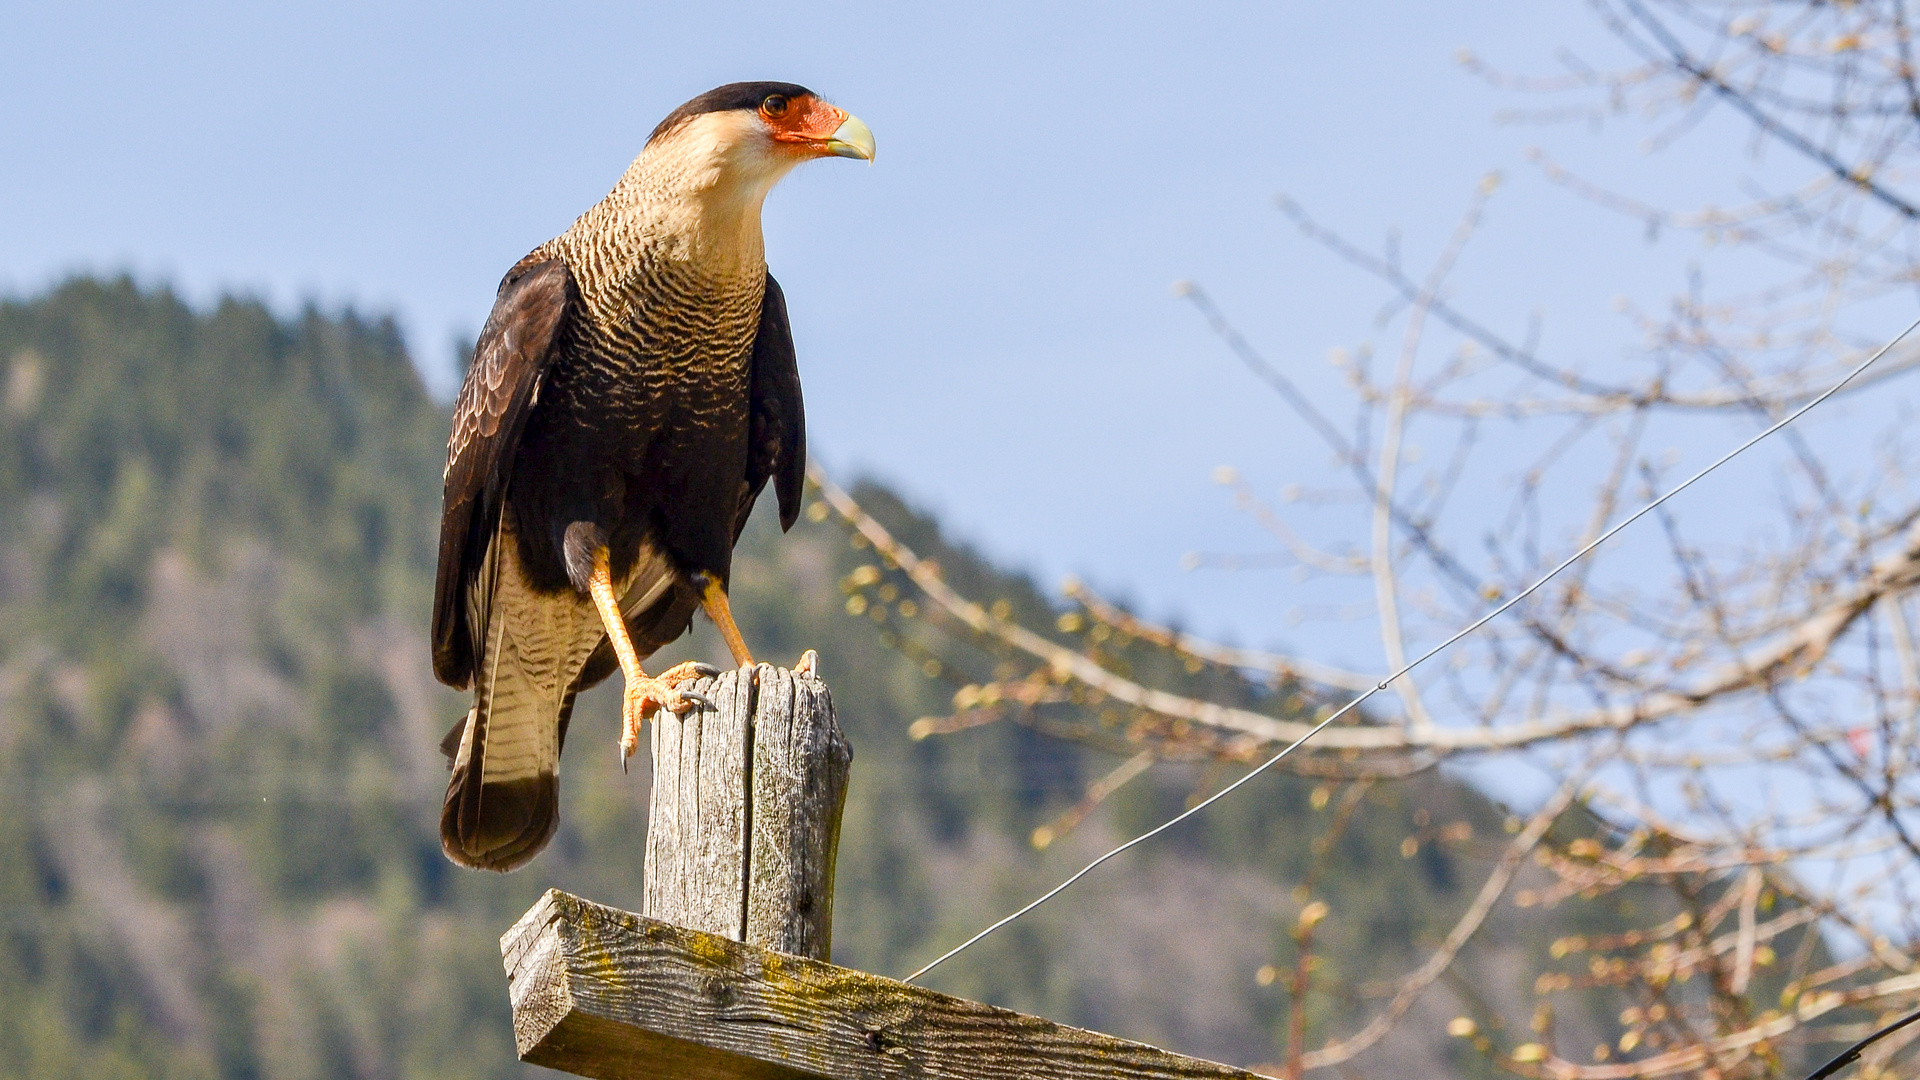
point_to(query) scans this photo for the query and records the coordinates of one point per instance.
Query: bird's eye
(774, 106)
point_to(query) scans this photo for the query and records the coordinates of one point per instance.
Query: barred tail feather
(503, 800)
(540, 651)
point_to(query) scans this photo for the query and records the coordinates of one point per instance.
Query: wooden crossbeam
(609, 994)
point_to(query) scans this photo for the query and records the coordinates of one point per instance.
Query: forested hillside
(220, 778)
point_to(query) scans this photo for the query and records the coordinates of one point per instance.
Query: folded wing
(513, 352)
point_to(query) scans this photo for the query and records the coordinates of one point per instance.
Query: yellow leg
(600, 587)
(713, 597)
(644, 694)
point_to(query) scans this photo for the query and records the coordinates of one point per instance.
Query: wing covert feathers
(501, 387)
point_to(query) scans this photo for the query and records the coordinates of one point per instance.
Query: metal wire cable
(1428, 655)
(1852, 1053)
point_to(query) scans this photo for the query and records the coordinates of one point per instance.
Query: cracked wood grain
(745, 817)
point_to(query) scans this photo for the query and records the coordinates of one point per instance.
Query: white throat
(695, 193)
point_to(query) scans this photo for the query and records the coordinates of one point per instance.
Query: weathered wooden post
(745, 817)
(725, 975)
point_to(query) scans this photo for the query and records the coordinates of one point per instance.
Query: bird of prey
(631, 393)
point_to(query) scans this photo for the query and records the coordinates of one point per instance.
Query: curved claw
(646, 696)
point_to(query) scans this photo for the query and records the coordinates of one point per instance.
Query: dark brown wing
(514, 350)
(777, 435)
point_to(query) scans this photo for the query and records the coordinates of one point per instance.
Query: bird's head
(746, 136)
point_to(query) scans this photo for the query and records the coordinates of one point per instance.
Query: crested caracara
(631, 393)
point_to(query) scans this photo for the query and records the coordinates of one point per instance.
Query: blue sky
(985, 317)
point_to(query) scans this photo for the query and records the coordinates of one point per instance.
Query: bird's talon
(700, 700)
(629, 740)
(685, 672)
(808, 664)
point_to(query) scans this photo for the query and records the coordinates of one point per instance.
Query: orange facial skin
(806, 124)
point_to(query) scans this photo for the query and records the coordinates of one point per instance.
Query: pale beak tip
(852, 139)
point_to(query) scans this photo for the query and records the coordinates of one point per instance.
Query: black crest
(739, 95)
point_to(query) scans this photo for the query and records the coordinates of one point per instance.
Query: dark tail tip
(499, 826)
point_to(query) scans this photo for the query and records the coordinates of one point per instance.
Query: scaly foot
(713, 597)
(649, 694)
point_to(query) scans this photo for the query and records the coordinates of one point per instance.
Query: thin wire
(1424, 657)
(1852, 1053)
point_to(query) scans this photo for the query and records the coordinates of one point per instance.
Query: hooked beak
(852, 139)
